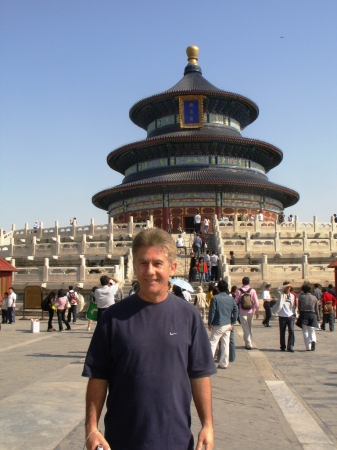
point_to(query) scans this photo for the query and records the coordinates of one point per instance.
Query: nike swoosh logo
(171, 334)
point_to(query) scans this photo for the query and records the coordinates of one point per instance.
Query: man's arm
(202, 396)
(96, 393)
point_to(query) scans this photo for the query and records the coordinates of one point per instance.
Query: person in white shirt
(180, 242)
(206, 225)
(11, 301)
(187, 295)
(197, 222)
(268, 302)
(105, 294)
(285, 307)
(260, 216)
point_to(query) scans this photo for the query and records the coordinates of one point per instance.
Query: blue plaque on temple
(191, 111)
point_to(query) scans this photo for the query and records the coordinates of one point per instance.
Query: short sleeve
(200, 359)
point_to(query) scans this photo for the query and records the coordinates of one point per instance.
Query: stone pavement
(267, 399)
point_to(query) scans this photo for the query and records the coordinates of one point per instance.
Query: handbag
(67, 305)
(298, 322)
(92, 312)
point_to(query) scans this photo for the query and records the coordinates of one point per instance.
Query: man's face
(153, 271)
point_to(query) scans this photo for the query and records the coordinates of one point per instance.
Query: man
(246, 315)
(318, 294)
(170, 224)
(268, 302)
(197, 244)
(105, 295)
(260, 216)
(180, 242)
(72, 297)
(285, 307)
(221, 320)
(148, 407)
(232, 260)
(214, 266)
(11, 301)
(329, 308)
(197, 222)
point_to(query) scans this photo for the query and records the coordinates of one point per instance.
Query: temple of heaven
(194, 158)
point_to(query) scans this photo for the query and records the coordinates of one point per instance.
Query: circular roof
(209, 179)
(194, 142)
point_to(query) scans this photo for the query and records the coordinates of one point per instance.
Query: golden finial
(192, 54)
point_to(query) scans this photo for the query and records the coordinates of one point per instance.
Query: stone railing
(74, 230)
(79, 275)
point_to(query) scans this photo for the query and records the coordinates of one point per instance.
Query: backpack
(45, 304)
(246, 300)
(72, 297)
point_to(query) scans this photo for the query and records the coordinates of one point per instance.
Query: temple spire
(192, 55)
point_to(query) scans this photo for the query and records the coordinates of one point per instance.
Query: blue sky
(71, 70)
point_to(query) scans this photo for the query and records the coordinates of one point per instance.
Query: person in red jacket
(202, 270)
(329, 308)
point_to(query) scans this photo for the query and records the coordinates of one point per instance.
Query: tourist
(119, 294)
(91, 300)
(308, 313)
(280, 218)
(335, 218)
(177, 291)
(135, 287)
(268, 302)
(203, 240)
(331, 290)
(206, 225)
(105, 295)
(197, 244)
(61, 305)
(180, 242)
(4, 306)
(73, 298)
(197, 222)
(208, 263)
(209, 294)
(221, 320)
(202, 270)
(318, 294)
(193, 272)
(187, 295)
(143, 387)
(170, 224)
(248, 304)
(329, 308)
(11, 303)
(51, 309)
(250, 218)
(222, 219)
(200, 302)
(260, 216)
(290, 218)
(36, 226)
(285, 307)
(232, 259)
(214, 266)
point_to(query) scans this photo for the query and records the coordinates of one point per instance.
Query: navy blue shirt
(148, 352)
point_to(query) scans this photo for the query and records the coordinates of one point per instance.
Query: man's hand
(210, 327)
(95, 439)
(205, 439)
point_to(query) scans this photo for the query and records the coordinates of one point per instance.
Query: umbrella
(182, 283)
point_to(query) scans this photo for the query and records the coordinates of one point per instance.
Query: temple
(194, 158)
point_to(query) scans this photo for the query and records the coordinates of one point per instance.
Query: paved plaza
(267, 399)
